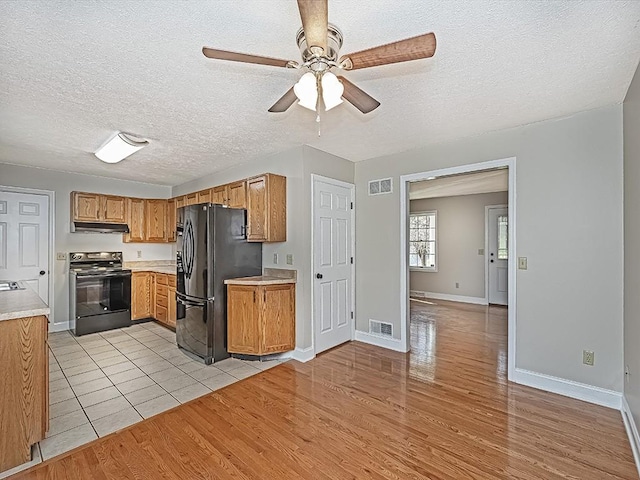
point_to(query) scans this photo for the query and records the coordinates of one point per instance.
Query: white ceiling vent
(380, 328)
(380, 187)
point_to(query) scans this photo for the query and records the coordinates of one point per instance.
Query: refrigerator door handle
(189, 303)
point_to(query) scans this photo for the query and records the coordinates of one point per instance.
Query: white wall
(62, 184)
(460, 228)
(632, 245)
(297, 165)
(569, 208)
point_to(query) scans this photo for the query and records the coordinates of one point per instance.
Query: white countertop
(20, 304)
(168, 269)
(259, 280)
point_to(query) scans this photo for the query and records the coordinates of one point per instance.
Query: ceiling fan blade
(357, 97)
(414, 48)
(245, 58)
(315, 21)
(285, 102)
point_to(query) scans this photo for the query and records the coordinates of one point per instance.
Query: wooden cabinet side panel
(277, 208)
(85, 207)
(278, 318)
(156, 220)
(257, 209)
(171, 220)
(243, 335)
(237, 194)
(22, 395)
(114, 209)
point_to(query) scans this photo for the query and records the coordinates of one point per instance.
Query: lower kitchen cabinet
(24, 396)
(165, 312)
(261, 318)
(142, 293)
(153, 295)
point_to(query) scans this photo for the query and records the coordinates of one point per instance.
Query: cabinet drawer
(161, 313)
(161, 289)
(161, 279)
(172, 280)
(162, 301)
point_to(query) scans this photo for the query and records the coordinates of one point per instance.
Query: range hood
(90, 227)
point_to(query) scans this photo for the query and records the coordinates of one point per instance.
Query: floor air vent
(380, 328)
(380, 187)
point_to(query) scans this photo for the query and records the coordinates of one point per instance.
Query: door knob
(318, 275)
(42, 272)
(492, 260)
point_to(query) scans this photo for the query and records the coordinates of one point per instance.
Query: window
(422, 241)
(503, 237)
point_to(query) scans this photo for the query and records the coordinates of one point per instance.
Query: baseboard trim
(448, 297)
(303, 354)
(380, 341)
(58, 327)
(569, 388)
(632, 431)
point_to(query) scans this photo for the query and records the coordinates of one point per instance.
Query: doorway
(26, 239)
(497, 254)
(332, 262)
(405, 309)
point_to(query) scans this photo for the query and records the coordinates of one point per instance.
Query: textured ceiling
(467, 184)
(73, 72)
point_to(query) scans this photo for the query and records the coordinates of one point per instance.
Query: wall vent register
(381, 186)
(380, 328)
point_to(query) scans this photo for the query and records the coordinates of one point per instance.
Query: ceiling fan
(320, 44)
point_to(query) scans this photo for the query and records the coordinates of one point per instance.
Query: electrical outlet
(627, 373)
(481, 251)
(275, 258)
(139, 253)
(522, 263)
(289, 259)
(587, 357)
(61, 256)
(457, 285)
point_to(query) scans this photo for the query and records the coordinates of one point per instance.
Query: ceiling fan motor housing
(334, 43)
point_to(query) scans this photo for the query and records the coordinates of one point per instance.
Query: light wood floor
(445, 411)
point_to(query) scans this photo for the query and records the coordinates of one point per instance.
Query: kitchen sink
(6, 285)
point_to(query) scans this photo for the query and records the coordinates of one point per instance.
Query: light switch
(481, 251)
(289, 259)
(522, 263)
(275, 258)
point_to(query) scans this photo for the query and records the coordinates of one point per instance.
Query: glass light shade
(332, 90)
(307, 91)
(119, 147)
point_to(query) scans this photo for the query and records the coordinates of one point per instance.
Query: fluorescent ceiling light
(307, 91)
(332, 90)
(119, 147)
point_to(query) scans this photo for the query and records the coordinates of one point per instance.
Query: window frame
(433, 269)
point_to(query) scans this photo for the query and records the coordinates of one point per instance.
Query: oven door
(102, 301)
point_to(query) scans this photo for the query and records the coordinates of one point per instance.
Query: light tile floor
(103, 382)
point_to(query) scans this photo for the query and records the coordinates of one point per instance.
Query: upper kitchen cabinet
(219, 195)
(237, 194)
(267, 208)
(135, 220)
(156, 220)
(204, 196)
(93, 207)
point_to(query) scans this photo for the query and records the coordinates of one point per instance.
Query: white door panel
(24, 240)
(498, 255)
(332, 244)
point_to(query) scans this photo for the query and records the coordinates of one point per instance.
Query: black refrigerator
(211, 247)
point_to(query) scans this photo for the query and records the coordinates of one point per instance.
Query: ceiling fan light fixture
(307, 91)
(332, 90)
(119, 147)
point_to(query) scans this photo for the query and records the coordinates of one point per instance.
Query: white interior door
(24, 240)
(498, 255)
(332, 257)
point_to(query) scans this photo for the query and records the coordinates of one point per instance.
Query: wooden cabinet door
(156, 220)
(191, 199)
(204, 196)
(86, 207)
(180, 201)
(243, 326)
(136, 217)
(257, 217)
(278, 318)
(114, 209)
(171, 220)
(141, 295)
(219, 195)
(237, 194)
